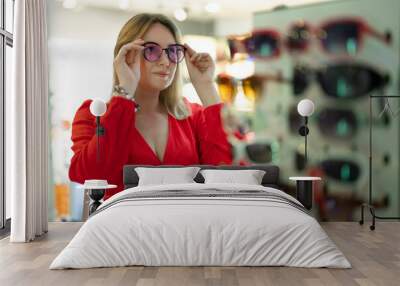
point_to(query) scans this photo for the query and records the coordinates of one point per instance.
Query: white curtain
(29, 123)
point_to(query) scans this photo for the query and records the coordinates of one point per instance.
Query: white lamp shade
(305, 107)
(98, 107)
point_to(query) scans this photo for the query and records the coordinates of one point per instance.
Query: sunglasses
(340, 80)
(262, 152)
(341, 170)
(339, 36)
(258, 152)
(345, 171)
(152, 52)
(333, 123)
(229, 86)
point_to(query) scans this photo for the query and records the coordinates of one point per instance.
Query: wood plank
(374, 255)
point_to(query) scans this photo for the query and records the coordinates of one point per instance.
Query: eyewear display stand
(369, 204)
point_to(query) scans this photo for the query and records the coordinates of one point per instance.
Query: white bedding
(182, 231)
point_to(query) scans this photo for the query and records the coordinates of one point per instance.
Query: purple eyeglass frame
(166, 51)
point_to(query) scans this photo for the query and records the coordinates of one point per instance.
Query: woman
(166, 129)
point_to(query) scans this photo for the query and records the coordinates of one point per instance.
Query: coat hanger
(388, 108)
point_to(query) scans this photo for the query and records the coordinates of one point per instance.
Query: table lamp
(98, 108)
(305, 108)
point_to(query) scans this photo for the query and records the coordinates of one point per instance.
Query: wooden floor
(374, 255)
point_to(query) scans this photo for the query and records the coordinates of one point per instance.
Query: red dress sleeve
(117, 122)
(214, 147)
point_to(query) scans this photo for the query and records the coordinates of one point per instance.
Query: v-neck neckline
(148, 145)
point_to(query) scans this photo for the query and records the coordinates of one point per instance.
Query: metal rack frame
(369, 204)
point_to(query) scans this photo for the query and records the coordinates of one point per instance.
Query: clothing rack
(369, 204)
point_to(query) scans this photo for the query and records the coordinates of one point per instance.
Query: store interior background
(81, 39)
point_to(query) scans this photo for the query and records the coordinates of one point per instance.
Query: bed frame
(270, 179)
(131, 179)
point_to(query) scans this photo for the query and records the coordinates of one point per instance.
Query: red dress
(198, 139)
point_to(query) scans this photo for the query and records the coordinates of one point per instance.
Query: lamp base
(304, 193)
(95, 195)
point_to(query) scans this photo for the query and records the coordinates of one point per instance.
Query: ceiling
(228, 9)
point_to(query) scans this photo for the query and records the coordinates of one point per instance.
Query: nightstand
(304, 191)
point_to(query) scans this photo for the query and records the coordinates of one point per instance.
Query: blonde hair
(135, 28)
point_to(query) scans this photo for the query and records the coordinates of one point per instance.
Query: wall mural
(319, 52)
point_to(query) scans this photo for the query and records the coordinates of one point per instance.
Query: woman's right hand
(127, 65)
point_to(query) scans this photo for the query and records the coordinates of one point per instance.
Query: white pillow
(163, 176)
(248, 177)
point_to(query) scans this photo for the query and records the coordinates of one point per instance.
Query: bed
(198, 224)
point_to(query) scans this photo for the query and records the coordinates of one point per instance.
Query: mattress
(201, 225)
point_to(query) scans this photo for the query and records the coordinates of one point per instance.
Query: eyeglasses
(152, 52)
(338, 36)
(340, 80)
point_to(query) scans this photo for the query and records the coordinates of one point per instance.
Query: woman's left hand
(201, 66)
